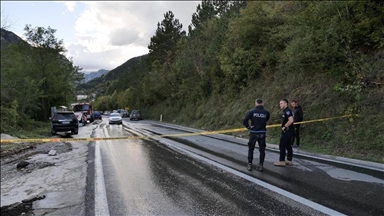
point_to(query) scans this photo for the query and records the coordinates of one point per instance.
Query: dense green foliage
(328, 55)
(34, 77)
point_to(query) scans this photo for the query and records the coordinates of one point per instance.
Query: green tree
(161, 83)
(37, 75)
(17, 81)
(251, 43)
(58, 75)
(204, 12)
(125, 98)
(163, 43)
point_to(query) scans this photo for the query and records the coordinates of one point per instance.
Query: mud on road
(44, 178)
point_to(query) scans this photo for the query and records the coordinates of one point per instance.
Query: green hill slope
(327, 55)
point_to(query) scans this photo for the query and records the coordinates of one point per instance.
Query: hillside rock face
(92, 75)
(8, 37)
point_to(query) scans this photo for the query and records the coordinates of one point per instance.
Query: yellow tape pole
(7, 141)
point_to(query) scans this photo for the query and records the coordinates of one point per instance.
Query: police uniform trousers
(286, 145)
(253, 138)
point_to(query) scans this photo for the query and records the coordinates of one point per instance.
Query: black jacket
(259, 117)
(298, 114)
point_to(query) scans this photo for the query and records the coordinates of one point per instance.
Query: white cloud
(124, 36)
(70, 5)
(110, 33)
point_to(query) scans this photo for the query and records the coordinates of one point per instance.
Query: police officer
(287, 132)
(297, 117)
(259, 117)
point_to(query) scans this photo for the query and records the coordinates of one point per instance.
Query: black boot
(249, 167)
(260, 167)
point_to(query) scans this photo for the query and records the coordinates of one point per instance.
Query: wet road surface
(147, 177)
(347, 189)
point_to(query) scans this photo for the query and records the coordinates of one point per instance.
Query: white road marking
(101, 203)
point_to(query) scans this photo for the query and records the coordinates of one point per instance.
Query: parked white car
(115, 118)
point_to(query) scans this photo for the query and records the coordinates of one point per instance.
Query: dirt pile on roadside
(23, 208)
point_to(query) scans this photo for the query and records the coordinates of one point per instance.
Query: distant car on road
(107, 113)
(115, 118)
(64, 121)
(135, 115)
(97, 115)
(124, 113)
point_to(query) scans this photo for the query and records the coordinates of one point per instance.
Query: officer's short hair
(285, 100)
(259, 101)
(294, 101)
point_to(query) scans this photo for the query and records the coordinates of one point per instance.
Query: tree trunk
(44, 109)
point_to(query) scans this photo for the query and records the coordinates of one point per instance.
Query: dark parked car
(124, 113)
(64, 121)
(135, 115)
(97, 115)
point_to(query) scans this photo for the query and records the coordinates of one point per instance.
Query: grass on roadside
(32, 129)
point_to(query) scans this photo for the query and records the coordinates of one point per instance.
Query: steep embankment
(357, 137)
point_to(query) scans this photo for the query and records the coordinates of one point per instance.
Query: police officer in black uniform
(297, 117)
(287, 132)
(259, 117)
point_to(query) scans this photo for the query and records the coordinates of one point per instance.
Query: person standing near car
(297, 117)
(287, 132)
(258, 117)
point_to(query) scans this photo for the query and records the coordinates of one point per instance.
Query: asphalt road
(154, 177)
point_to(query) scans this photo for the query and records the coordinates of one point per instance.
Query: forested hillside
(327, 55)
(35, 76)
(127, 75)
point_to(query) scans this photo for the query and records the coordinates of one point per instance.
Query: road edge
(275, 148)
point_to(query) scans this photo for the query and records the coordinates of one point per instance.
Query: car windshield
(83, 107)
(115, 114)
(64, 116)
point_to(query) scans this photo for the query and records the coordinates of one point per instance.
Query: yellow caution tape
(157, 136)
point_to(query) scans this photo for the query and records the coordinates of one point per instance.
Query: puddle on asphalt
(347, 175)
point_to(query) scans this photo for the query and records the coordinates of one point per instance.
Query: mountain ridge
(94, 74)
(8, 37)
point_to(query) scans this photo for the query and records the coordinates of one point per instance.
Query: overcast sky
(98, 35)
